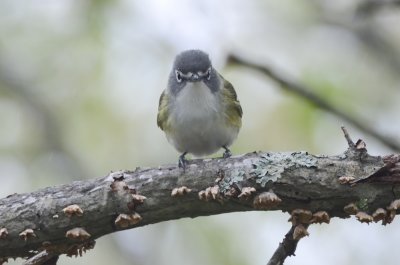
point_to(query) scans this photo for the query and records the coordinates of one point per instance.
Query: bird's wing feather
(232, 103)
(162, 114)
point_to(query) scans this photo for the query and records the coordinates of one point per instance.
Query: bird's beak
(195, 78)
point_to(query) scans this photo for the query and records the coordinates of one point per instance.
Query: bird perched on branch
(199, 110)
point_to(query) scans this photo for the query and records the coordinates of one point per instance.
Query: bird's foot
(182, 162)
(227, 152)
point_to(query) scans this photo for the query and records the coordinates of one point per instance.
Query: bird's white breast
(198, 124)
(196, 101)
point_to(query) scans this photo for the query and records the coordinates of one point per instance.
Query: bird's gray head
(193, 66)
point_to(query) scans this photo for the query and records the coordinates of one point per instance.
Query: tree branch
(307, 94)
(67, 219)
(285, 249)
(369, 7)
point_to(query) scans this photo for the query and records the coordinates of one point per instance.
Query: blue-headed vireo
(199, 111)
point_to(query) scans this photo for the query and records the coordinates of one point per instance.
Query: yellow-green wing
(162, 115)
(234, 110)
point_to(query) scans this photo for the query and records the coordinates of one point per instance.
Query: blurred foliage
(79, 88)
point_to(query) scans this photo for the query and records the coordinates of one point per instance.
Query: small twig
(347, 136)
(285, 249)
(305, 92)
(357, 149)
(42, 258)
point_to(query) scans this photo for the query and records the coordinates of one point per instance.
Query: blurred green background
(79, 89)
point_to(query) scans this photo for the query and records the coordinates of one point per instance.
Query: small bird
(199, 110)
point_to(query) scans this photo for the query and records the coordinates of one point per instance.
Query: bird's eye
(208, 74)
(178, 76)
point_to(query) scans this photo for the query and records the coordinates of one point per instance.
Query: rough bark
(299, 179)
(286, 248)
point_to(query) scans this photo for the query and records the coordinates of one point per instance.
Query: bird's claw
(227, 152)
(182, 162)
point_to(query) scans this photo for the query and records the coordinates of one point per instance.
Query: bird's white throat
(196, 100)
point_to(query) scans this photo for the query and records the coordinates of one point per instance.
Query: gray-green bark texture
(254, 181)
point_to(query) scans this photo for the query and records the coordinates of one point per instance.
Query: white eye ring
(178, 76)
(208, 74)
